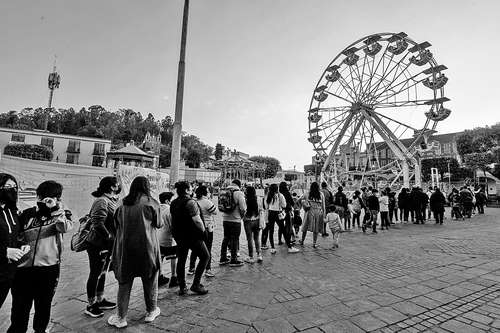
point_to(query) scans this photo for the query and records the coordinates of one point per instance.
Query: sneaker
(106, 305)
(224, 262)
(236, 263)
(199, 289)
(94, 311)
(183, 291)
(190, 271)
(273, 251)
(151, 316)
(315, 246)
(259, 258)
(264, 247)
(163, 280)
(173, 282)
(250, 260)
(374, 231)
(117, 322)
(293, 250)
(209, 274)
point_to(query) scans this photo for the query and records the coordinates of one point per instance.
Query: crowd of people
(133, 236)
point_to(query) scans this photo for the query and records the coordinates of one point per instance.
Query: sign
(159, 181)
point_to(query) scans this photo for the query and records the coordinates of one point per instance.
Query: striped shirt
(208, 211)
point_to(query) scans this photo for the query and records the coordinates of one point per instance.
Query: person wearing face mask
(10, 253)
(100, 244)
(36, 278)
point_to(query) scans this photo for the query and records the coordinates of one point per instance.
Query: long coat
(136, 251)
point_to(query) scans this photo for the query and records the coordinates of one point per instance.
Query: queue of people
(133, 236)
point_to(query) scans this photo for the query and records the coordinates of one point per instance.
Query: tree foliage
(219, 151)
(34, 152)
(120, 127)
(272, 165)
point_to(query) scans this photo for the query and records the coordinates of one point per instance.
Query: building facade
(69, 149)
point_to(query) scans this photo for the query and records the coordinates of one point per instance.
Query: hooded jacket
(44, 235)
(9, 228)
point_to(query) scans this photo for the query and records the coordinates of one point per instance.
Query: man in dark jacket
(416, 205)
(188, 230)
(374, 207)
(403, 204)
(437, 203)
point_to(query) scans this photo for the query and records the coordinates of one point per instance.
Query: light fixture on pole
(53, 82)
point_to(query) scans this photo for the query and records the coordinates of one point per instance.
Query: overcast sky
(251, 66)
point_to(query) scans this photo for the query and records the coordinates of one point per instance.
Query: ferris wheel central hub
(358, 107)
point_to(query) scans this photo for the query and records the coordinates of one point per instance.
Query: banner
(159, 181)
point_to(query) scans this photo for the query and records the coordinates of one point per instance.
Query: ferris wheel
(375, 107)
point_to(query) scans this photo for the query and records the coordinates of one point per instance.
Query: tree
(464, 143)
(34, 152)
(219, 151)
(272, 165)
(440, 163)
(479, 161)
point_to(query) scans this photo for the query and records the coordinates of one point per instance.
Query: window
(47, 142)
(72, 159)
(99, 149)
(98, 161)
(74, 146)
(447, 148)
(17, 138)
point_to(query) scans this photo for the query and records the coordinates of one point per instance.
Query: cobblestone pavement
(412, 278)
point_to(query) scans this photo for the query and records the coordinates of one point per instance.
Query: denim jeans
(199, 250)
(252, 231)
(150, 290)
(269, 230)
(232, 231)
(192, 258)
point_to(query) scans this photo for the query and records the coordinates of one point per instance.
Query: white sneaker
(293, 250)
(259, 258)
(273, 251)
(117, 322)
(249, 260)
(151, 316)
(209, 274)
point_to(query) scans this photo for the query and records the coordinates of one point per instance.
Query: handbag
(79, 239)
(281, 215)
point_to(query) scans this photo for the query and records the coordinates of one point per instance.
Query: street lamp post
(177, 130)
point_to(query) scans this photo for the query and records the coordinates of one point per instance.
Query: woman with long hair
(99, 246)
(251, 224)
(313, 203)
(276, 203)
(9, 229)
(136, 251)
(288, 230)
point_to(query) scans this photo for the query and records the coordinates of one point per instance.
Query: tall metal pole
(177, 132)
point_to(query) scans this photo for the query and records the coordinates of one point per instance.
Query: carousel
(239, 167)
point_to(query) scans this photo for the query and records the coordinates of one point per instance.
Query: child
(42, 227)
(297, 220)
(168, 248)
(333, 220)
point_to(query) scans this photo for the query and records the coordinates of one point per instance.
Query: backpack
(79, 238)
(226, 200)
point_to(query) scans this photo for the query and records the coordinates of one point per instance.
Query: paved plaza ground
(413, 278)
